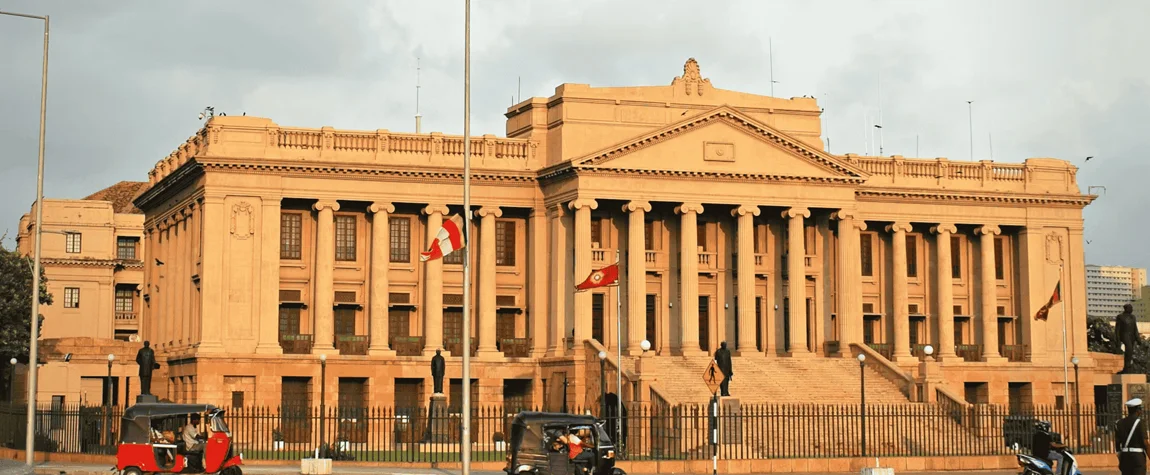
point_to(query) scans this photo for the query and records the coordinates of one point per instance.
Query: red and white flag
(449, 239)
(600, 278)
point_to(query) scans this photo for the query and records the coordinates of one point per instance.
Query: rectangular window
(757, 236)
(597, 231)
(237, 399)
(291, 236)
(701, 236)
(504, 243)
(955, 257)
(597, 317)
(999, 270)
(866, 253)
(345, 238)
(345, 321)
(126, 248)
(71, 297)
(399, 322)
(124, 300)
(289, 321)
(911, 255)
(72, 243)
(400, 234)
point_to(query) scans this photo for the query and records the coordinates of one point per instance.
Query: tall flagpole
(619, 351)
(465, 432)
(1065, 370)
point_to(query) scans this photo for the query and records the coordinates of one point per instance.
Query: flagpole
(1065, 370)
(619, 351)
(465, 432)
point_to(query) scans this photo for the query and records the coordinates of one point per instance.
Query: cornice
(1024, 199)
(721, 176)
(412, 174)
(93, 262)
(170, 185)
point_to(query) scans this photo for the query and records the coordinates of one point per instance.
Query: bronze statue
(723, 360)
(146, 358)
(1126, 329)
(438, 369)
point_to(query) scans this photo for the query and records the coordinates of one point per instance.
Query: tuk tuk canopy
(136, 424)
(527, 428)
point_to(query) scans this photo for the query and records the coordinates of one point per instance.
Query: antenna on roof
(519, 91)
(771, 58)
(866, 134)
(990, 140)
(418, 117)
(880, 121)
(916, 146)
(970, 118)
(827, 121)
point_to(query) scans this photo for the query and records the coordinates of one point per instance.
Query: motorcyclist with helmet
(1043, 445)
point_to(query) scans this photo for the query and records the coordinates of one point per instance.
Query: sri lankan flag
(1057, 297)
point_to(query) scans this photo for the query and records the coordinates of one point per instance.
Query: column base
(385, 351)
(324, 351)
(998, 359)
(804, 354)
(690, 353)
(948, 360)
(634, 352)
(206, 347)
(555, 352)
(269, 349)
(906, 359)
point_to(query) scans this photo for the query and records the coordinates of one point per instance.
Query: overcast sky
(127, 78)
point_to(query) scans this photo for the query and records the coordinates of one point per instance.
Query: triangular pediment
(722, 141)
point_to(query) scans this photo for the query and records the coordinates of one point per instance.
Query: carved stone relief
(1054, 248)
(243, 220)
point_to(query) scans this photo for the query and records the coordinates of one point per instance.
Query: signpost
(714, 377)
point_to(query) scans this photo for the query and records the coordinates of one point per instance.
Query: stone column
(849, 279)
(180, 264)
(560, 281)
(797, 280)
(324, 299)
(689, 278)
(746, 279)
(378, 293)
(537, 278)
(433, 285)
(269, 293)
(212, 270)
(487, 215)
(636, 276)
(899, 302)
(582, 208)
(986, 234)
(945, 292)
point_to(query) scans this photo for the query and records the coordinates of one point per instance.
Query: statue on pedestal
(723, 360)
(1126, 329)
(438, 369)
(146, 358)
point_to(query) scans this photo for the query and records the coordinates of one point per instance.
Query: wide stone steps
(762, 380)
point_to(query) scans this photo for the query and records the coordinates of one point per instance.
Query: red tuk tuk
(150, 442)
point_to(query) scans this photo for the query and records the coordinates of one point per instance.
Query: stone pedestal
(438, 420)
(730, 421)
(929, 378)
(146, 399)
(315, 466)
(1124, 387)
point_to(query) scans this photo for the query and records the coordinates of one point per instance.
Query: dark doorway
(704, 323)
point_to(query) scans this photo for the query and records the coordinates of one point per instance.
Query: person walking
(723, 360)
(1130, 440)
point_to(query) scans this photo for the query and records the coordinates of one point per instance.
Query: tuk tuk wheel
(617, 471)
(132, 471)
(232, 471)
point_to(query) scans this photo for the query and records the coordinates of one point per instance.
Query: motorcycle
(1036, 466)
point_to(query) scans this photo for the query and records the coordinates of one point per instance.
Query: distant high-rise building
(1108, 288)
(1142, 304)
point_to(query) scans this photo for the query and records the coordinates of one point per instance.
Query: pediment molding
(1021, 199)
(730, 116)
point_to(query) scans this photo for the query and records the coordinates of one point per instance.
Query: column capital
(635, 205)
(752, 210)
(435, 208)
(580, 203)
(692, 207)
(898, 227)
(383, 206)
(944, 228)
(844, 214)
(325, 204)
(988, 229)
(796, 211)
(486, 211)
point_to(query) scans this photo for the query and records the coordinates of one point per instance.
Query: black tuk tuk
(535, 448)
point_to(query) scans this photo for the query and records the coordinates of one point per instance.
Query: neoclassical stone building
(269, 246)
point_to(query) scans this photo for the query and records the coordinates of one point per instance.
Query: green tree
(1101, 338)
(16, 303)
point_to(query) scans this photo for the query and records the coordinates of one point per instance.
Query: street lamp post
(603, 385)
(1077, 405)
(109, 401)
(928, 351)
(323, 403)
(12, 380)
(862, 404)
(29, 439)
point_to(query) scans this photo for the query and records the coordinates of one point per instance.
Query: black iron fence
(649, 432)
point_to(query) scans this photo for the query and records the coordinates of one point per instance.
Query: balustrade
(968, 352)
(351, 344)
(515, 347)
(296, 344)
(407, 345)
(1013, 353)
(125, 317)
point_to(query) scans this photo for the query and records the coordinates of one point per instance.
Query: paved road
(13, 468)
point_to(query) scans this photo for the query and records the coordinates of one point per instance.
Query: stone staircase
(760, 380)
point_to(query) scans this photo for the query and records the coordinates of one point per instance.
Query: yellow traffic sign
(713, 376)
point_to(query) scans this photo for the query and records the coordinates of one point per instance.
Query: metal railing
(351, 344)
(296, 344)
(1013, 353)
(969, 352)
(650, 431)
